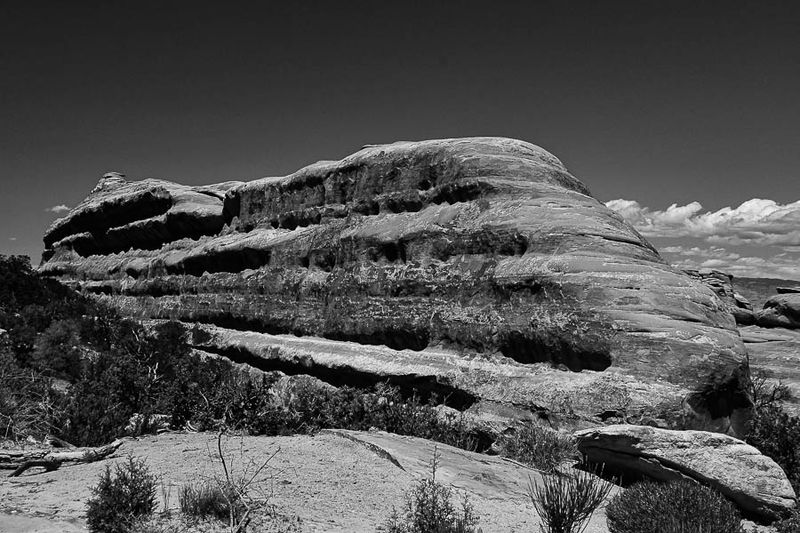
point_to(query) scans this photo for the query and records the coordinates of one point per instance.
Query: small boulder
(753, 481)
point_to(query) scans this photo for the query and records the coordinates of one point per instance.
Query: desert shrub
(776, 434)
(789, 524)
(110, 391)
(120, 500)
(209, 500)
(429, 508)
(766, 393)
(566, 500)
(29, 405)
(677, 506)
(58, 349)
(539, 447)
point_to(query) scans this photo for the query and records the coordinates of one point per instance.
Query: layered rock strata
(484, 253)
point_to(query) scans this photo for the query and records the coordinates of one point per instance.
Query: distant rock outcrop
(721, 284)
(739, 471)
(788, 290)
(481, 264)
(780, 311)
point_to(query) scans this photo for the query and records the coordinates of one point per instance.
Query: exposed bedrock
(486, 248)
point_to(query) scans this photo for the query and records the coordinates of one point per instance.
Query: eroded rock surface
(722, 285)
(484, 258)
(739, 471)
(780, 311)
(775, 355)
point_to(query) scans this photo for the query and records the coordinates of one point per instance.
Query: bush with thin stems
(228, 496)
(566, 500)
(429, 509)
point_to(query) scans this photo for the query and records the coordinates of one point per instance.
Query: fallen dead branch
(20, 461)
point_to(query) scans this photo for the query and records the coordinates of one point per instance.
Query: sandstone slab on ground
(750, 479)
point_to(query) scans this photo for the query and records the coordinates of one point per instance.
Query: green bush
(677, 506)
(539, 447)
(566, 500)
(429, 508)
(120, 500)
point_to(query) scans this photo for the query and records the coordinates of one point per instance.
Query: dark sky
(658, 102)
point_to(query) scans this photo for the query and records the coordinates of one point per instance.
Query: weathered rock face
(721, 284)
(774, 354)
(120, 215)
(483, 251)
(739, 471)
(780, 311)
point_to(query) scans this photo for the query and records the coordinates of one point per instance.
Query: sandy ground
(334, 481)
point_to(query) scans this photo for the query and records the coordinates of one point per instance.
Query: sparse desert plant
(120, 499)
(774, 431)
(206, 499)
(231, 496)
(789, 524)
(29, 405)
(673, 507)
(537, 446)
(765, 392)
(566, 500)
(429, 508)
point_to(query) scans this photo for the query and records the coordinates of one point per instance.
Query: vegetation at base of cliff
(73, 368)
(773, 431)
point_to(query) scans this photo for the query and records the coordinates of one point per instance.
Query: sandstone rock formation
(721, 284)
(476, 267)
(774, 354)
(119, 215)
(780, 311)
(739, 471)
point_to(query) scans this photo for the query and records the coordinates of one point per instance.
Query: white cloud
(58, 209)
(781, 265)
(756, 221)
(12, 238)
